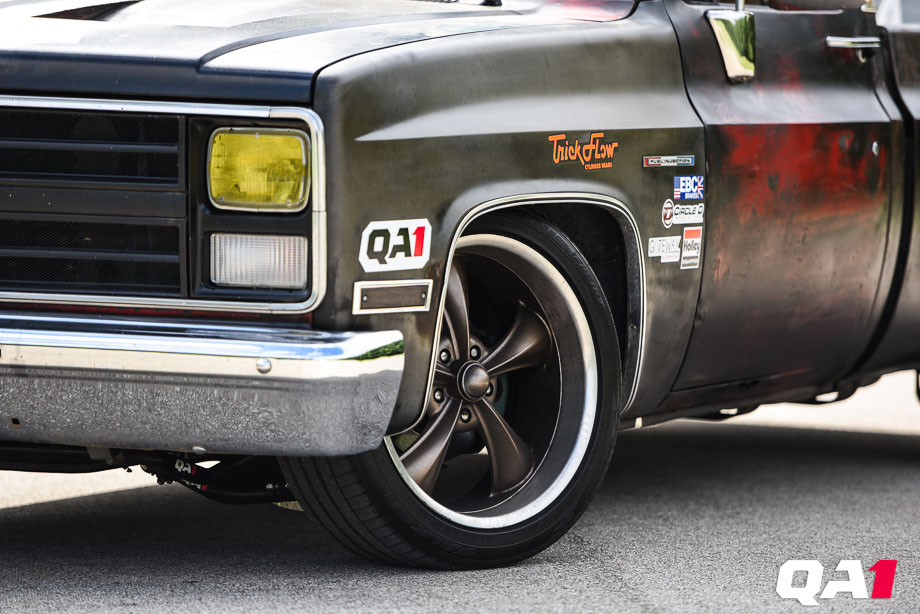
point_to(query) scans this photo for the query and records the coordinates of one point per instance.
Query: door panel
(798, 204)
(899, 348)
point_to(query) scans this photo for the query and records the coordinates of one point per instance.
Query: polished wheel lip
(483, 520)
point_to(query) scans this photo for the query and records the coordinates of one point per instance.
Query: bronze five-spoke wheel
(467, 380)
(519, 421)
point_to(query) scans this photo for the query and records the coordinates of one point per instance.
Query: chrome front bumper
(192, 387)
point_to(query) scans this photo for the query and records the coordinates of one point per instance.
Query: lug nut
(444, 356)
(475, 353)
(465, 416)
(438, 395)
(490, 390)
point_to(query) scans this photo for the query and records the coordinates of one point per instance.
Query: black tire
(395, 510)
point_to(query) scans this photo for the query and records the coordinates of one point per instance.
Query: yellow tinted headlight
(259, 169)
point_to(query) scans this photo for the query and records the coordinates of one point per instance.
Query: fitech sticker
(659, 161)
(395, 245)
(665, 248)
(692, 248)
(681, 213)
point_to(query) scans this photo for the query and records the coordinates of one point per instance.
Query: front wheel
(519, 426)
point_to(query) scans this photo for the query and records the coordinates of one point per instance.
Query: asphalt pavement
(692, 517)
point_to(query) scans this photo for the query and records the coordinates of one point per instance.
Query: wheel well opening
(599, 237)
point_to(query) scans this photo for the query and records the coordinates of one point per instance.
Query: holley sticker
(395, 245)
(681, 213)
(595, 153)
(692, 248)
(666, 248)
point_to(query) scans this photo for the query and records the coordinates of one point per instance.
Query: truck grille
(85, 233)
(91, 257)
(107, 150)
(104, 205)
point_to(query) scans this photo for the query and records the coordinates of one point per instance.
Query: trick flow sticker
(692, 248)
(593, 154)
(395, 245)
(680, 213)
(666, 248)
(688, 187)
(658, 161)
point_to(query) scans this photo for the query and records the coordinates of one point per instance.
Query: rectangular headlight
(259, 261)
(259, 169)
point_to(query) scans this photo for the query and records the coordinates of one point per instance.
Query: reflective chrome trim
(253, 207)
(318, 195)
(226, 351)
(853, 42)
(358, 309)
(506, 202)
(168, 386)
(483, 520)
(734, 31)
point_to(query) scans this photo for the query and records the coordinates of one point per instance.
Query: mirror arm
(734, 32)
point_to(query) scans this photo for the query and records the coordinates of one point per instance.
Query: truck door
(900, 23)
(797, 194)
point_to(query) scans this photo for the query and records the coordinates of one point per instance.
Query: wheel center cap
(473, 381)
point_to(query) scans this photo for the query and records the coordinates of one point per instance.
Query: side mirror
(734, 32)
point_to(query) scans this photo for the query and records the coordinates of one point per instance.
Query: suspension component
(249, 479)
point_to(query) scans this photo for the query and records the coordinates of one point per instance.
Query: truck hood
(232, 50)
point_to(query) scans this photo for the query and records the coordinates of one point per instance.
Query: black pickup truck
(412, 264)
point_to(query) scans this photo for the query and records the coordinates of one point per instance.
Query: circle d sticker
(667, 213)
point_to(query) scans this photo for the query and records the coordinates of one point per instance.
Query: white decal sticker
(681, 213)
(657, 161)
(692, 248)
(667, 213)
(395, 245)
(666, 248)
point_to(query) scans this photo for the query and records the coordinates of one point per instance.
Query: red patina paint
(813, 172)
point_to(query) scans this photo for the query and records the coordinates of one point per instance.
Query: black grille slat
(89, 277)
(45, 234)
(113, 150)
(88, 146)
(91, 257)
(64, 126)
(74, 254)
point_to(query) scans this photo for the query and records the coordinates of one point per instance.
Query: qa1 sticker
(395, 245)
